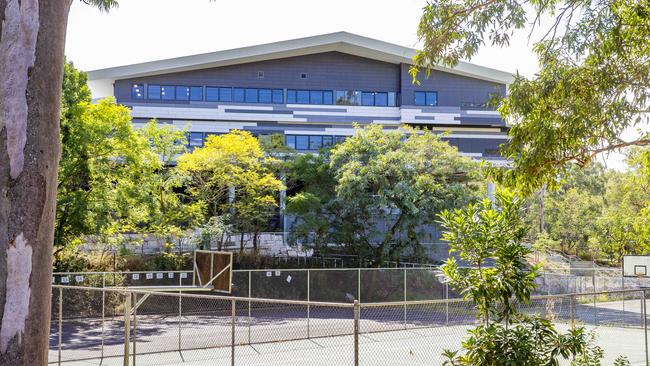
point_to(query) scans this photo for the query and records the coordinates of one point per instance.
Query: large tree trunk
(32, 37)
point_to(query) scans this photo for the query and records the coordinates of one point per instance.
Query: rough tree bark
(32, 38)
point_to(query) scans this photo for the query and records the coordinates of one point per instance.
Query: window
(432, 98)
(302, 97)
(392, 99)
(328, 97)
(195, 139)
(237, 94)
(278, 96)
(315, 142)
(290, 141)
(251, 96)
(311, 142)
(182, 93)
(328, 141)
(291, 96)
(167, 92)
(212, 94)
(348, 97)
(260, 74)
(153, 92)
(265, 96)
(420, 98)
(367, 98)
(137, 91)
(225, 94)
(315, 97)
(381, 99)
(196, 93)
(302, 142)
(303, 76)
(429, 98)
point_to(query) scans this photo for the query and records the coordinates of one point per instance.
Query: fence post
(250, 319)
(60, 321)
(308, 299)
(405, 298)
(571, 311)
(135, 325)
(446, 303)
(127, 326)
(644, 311)
(180, 316)
(232, 334)
(356, 332)
(103, 313)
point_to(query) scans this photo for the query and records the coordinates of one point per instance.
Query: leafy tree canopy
(388, 187)
(593, 83)
(231, 174)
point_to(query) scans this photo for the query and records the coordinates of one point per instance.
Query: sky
(147, 30)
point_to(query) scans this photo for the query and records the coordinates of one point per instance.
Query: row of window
(298, 142)
(312, 142)
(267, 96)
(429, 98)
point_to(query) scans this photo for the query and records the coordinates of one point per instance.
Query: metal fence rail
(342, 284)
(104, 325)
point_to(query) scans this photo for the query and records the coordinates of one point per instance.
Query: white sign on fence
(135, 276)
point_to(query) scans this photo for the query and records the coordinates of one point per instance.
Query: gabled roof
(340, 42)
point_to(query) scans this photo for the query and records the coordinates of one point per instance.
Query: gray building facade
(312, 90)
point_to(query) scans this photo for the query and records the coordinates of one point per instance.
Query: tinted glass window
(367, 99)
(225, 94)
(237, 94)
(315, 142)
(290, 141)
(153, 92)
(196, 93)
(328, 97)
(302, 97)
(420, 98)
(278, 96)
(328, 141)
(339, 139)
(315, 97)
(137, 91)
(302, 142)
(182, 93)
(291, 96)
(392, 99)
(251, 96)
(195, 139)
(212, 94)
(265, 96)
(167, 92)
(381, 99)
(432, 98)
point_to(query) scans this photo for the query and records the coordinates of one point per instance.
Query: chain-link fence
(93, 326)
(346, 284)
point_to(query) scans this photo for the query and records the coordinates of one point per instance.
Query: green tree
(623, 227)
(170, 213)
(492, 232)
(104, 172)
(388, 188)
(593, 83)
(231, 174)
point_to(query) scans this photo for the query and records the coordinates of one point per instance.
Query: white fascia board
(341, 42)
